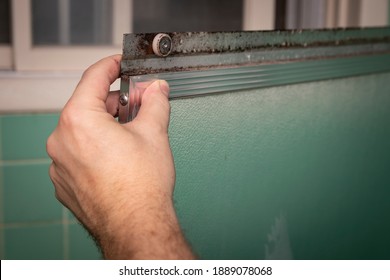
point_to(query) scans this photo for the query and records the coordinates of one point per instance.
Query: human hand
(118, 179)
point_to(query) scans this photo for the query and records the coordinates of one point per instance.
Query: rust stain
(213, 42)
(139, 47)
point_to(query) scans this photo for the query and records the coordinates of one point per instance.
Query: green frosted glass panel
(298, 171)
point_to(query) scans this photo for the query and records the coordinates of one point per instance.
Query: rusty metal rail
(206, 63)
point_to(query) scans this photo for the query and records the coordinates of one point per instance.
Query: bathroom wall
(33, 224)
(298, 171)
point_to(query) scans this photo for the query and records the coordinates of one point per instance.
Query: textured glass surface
(297, 171)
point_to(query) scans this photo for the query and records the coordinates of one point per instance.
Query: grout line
(18, 162)
(65, 228)
(2, 241)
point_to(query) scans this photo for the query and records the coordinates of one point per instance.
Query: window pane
(5, 26)
(72, 22)
(45, 22)
(190, 15)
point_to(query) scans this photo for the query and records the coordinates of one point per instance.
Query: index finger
(96, 80)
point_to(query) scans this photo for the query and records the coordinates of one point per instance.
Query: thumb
(155, 108)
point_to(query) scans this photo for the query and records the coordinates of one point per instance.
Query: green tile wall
(82, 247)
(34, 225)
(34, 242)
(29, 185)
(24, 137)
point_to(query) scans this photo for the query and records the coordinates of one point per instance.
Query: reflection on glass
(90, 22)
(72, 22)
(189, 15)
(319, 14)
(5, 34)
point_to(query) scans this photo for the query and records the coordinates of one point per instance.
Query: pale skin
(118, 179)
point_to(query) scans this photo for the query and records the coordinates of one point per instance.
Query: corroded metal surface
(233, 61)
(202, 50)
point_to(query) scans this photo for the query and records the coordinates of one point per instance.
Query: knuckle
(50, 146)
(69, 116)
(58, 196)
(54, 177)
(58, 192)
(52, 171)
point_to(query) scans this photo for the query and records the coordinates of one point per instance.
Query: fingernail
(164, 87)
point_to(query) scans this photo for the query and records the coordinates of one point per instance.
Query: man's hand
(118, 179)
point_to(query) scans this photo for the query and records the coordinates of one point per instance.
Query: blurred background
(44, 47)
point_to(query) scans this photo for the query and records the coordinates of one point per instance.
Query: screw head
(123, 99)
(162, 44)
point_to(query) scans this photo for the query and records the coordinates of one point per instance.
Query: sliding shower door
(281, 140)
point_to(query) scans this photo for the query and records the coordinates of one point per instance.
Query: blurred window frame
(6, 56)
(22, 55)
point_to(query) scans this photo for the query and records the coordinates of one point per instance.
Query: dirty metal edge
(202, 50)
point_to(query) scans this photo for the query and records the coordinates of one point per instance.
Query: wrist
(149, 231)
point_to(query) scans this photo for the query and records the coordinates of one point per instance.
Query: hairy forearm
(149, 232)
